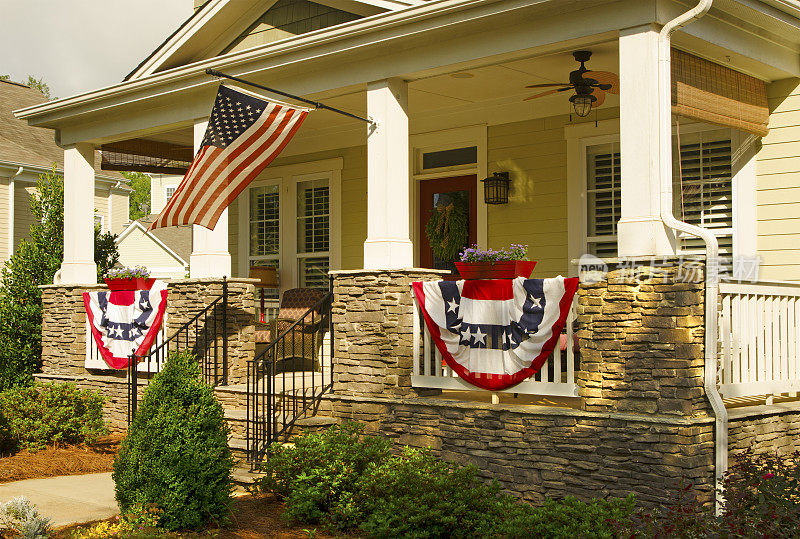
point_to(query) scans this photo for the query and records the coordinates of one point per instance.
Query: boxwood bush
(44, 414)
(345, 480)
(176, 454)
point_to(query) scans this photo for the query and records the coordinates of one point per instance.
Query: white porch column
(388, 244)
(210, 256)
(78, 266)
(640, 230)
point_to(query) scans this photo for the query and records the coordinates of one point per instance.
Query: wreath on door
(448, 231)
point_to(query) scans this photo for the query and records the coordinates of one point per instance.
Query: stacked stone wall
(64, 335)
(538, 452)
(765, 429)
(372, 319)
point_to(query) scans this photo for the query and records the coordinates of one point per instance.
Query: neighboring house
(162, 187)
(446, 83)
(25, 153)
(164, 251)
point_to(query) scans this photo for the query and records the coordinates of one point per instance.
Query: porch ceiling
(499, 84)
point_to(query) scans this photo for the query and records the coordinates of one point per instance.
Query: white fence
(556, 378)
(95, 361)
(759, 352)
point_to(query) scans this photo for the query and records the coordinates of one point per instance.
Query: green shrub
(418, 495)
(52, 413)
(176, 454)
(318, 476)
(568, 518)
(762, 496)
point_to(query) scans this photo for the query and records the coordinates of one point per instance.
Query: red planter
(506, 269)
(118, 285)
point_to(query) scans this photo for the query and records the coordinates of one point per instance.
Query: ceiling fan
(590, 86)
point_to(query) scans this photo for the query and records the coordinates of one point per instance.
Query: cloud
(81, 45)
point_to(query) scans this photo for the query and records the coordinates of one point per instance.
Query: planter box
(506, 269)
(117, 285)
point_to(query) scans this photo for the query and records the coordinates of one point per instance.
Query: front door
(453, 201)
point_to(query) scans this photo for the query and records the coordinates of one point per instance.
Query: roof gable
(220, 26)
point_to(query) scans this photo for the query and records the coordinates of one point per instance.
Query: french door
(289, 228)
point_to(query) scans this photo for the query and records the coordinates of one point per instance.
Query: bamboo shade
(716, 94)
(142, 155)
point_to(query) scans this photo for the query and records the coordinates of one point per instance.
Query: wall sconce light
(495, 188)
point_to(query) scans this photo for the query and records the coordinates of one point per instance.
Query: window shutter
(603, 199)
(704, 196)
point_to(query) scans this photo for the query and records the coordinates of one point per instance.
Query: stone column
(372, 319)
(210, 256)
(388, 243)
(640, 230)
(78, 266)
(641, 337)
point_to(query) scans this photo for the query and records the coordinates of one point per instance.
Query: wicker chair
(304, 341)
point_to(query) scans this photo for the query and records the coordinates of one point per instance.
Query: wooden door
(433, 194)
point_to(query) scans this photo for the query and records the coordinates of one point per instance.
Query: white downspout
(712, 246)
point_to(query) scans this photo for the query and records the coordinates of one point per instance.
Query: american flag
(244, 135)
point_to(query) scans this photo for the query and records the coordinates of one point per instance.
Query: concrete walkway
(69, 499)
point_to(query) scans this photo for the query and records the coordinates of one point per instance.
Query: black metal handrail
(207, 331)
(274, 403)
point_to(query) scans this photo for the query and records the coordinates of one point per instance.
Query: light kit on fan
(590, 86)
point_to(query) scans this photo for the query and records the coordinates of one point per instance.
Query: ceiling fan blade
(605, 77)
(548, 92)
(601, 97)
(547, 84)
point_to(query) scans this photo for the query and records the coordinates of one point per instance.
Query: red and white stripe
(218, 175)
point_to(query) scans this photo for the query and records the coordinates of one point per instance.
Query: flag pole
(317, 104)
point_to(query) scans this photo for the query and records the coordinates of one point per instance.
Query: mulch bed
(254, 517)
(55, 461)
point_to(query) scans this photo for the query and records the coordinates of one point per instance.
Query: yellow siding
(119, 212)
(233, 237)
(137, 247)
(4, 221)
(778, 185)
(22, 212)
(101, 206)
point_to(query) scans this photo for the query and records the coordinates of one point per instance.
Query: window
(99, 221)
(313, 232)
(702, 192)
(301, 253)
(265, 230)
(450, 158)
(703, 189)
(603, 199)
(168, 192)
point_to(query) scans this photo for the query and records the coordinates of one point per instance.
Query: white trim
(102, 221)
(244, 14)
(287, 177)
(447, 139)
(136, 224)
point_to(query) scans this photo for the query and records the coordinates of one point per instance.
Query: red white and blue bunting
(496, 333)
(124, 323)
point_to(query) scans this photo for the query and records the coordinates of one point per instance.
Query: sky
(83, 45)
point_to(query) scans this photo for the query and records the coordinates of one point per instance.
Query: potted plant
(137, 278)
(490, 264)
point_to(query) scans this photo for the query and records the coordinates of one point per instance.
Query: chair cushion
(297, 301)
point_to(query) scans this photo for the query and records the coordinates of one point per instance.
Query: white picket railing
(556, 378)
(759, 351)
(95, 361)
